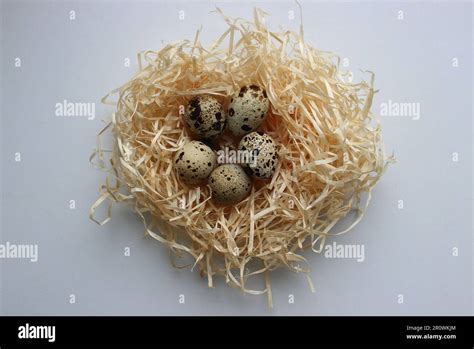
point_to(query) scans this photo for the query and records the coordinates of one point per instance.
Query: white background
(408, 251)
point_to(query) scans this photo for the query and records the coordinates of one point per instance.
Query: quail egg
(205, 116)
(247, 110)
(229, 184)
(194, 162)
(263, 154)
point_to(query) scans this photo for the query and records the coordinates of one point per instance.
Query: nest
(330, 148)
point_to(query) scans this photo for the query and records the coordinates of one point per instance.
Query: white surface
(407, 251)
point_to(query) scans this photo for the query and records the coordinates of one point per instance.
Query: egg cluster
(207, 119)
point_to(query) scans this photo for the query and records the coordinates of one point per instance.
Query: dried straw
(330, 151)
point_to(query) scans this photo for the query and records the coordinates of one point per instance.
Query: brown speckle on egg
(195, 162)
(247, 110)
(205, 117)
(264, 154)
(229, 184)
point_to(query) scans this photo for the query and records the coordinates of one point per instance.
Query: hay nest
(331, 152)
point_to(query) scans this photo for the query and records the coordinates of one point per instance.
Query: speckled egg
(264, 151)
(194, 162)
(229, 184)
(247, 110)
(205, 117)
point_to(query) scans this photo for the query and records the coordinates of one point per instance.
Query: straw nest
(331, 151)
